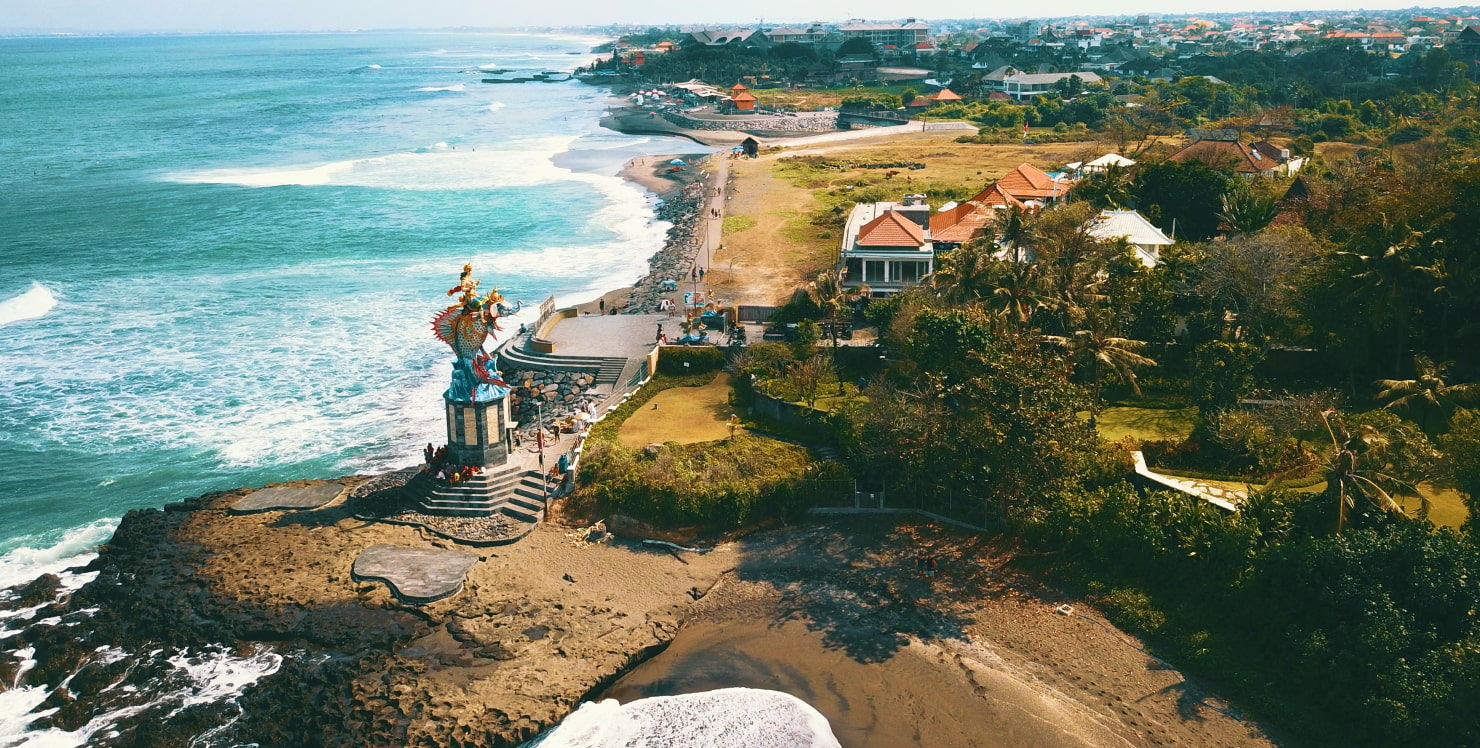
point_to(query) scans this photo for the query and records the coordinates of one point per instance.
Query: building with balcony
(888, 246)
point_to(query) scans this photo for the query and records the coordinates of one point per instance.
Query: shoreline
(824, 609)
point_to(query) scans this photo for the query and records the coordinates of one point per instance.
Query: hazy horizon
(180, 16)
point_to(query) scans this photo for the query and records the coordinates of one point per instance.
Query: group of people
(440, 467)
(926, 565)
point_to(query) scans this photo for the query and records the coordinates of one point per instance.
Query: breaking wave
(34, 303)
(748, 717)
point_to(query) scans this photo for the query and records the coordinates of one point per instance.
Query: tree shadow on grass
(854, 581)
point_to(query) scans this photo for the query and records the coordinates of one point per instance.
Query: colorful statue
(465, 326)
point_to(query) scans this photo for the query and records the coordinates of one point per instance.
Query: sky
(107, 16)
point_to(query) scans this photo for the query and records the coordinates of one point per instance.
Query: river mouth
(920, 695)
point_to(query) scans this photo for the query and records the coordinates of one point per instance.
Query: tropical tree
(1100, 351)
(1427, 398)
(965, 275)
(1015, 228)
(1388, 266)
(1350, 466)
(833, 297)
(1246, 212)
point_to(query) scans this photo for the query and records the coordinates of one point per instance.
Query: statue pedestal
(475, 431)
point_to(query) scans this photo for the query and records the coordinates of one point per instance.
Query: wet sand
(916, 697)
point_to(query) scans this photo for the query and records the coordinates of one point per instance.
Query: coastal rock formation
(491, 666)
(675, 260)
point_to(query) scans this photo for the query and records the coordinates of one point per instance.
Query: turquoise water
(221, 254)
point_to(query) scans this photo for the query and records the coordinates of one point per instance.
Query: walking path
(1223, 497)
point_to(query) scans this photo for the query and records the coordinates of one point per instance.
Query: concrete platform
(288, 497)
(612, 335)
(415, 575)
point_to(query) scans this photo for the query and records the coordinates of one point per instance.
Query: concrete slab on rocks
(415, 575)
(288, 497)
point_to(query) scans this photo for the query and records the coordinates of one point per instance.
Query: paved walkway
(415, 575)
(1221, 496)
(612, 335)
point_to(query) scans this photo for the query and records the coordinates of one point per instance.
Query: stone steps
(512, 491)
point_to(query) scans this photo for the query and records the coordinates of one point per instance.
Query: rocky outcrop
(537, 627)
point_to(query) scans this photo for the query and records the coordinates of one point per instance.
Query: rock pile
(558, 391)
(675, 260)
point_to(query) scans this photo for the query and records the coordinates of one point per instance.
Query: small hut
(743, 100)
(945, 95)
(751, 147)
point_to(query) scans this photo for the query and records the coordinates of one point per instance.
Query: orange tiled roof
(891, 230)
(1028, 181)
(945, 94)
(968, 220)
(994, 196)
(743, 95)
(1217, 153)
(960, 224)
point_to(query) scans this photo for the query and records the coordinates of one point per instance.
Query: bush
(700, 359)
(721, 484)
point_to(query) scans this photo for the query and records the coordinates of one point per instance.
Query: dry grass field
(783, 248)
(686, 415)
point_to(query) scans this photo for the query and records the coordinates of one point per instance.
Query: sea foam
(739, 717)
(34, 303)
(519, 163)
(454, 87)
(36, 556)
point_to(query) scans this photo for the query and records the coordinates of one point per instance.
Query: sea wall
(811, 122)
(555, 391)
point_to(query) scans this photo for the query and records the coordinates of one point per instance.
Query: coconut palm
(965, 275)
(1015, 228)
(1389, 267)
(1101, 350)
(1427, 397)
(833, 297)
(1018, 292)
(1347, 477)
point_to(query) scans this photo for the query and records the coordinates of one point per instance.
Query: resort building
(888, 246)
(898, 35)
(1145, 239)
(1020, 85)
(1248, 160)
(1033, 186)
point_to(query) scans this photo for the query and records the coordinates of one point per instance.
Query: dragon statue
(465, 326)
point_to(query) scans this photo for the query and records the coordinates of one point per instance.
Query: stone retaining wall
(557, 390)
(813, 122)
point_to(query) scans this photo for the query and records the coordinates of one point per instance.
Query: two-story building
(888, 246)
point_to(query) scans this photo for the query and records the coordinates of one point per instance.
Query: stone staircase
(512, 491)
(606, 369)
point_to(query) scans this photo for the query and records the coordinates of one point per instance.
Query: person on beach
(601, 304)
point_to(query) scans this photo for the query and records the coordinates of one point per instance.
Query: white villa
(1145, 239)
(888, 246)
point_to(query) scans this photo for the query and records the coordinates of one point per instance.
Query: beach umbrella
(677, 162)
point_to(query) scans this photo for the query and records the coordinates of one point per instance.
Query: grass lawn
(1446, 507)
(1146, 424)
(686, 415)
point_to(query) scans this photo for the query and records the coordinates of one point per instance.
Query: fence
(940, 503)
(755, 314)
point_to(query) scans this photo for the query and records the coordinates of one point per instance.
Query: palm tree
(1015, 229)
(965, 275)
(1018, 293)
(1120, 355)
(1392, 268)
(1427, 395)
(832, 296)
(1346, 478)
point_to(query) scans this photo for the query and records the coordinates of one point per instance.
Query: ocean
(221, 255)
